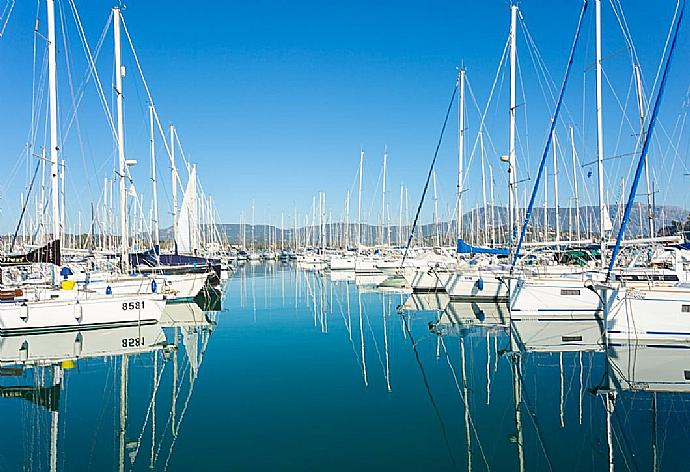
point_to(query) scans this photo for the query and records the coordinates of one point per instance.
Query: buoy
(78, 344)
(480, 284)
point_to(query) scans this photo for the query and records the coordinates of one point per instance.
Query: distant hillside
(665, 218)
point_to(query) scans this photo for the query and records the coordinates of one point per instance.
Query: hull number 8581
(133, 305)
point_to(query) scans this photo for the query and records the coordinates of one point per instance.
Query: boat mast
(486, 220)
(493, 214)
(461, 148)
(124, 244)
(600, 139)
(577, 199)
(555, 187)
(359, 202)
(650, 194)
(346, 229)
(62, 200)
(546, 205)
(512, 176)
(156, 229)
(385, 236)
(52, 100)
(174, 184)
(438, 237)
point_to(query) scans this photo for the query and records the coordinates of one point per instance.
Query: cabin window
(687, 374)
(571, 339)
(685, 309)
(568, 291)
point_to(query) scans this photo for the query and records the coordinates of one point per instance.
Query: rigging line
(428, 178)
(633, 130)
(376, 344)
(482, 126)
(645, 146)
(666, 46)
(623, 24)
(26, 203)
(10, 5)
(524, 394)
(150, 406)
(524, 149)
(168, 148)
(33, 91)
(92, 64)
(74, 106)
(427, 387)
(554, 120)
(464, 400)
(87, 76)
(186, 403)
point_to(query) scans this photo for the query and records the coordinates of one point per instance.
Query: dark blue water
(298, 372)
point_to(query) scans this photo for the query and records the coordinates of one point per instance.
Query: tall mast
(555, 188)
(383, 200)
(577, 198)
(346, 228)
(546, 206)
(437, 235)
(461, 148)
(399, 232)
(174, 184)
(62, 200)
(52, 99)
(156, 229)
(600, 139)
(650, 194)
(493, 214)
(359, 201)
(486, 219)
(512, 177)
(120, 139)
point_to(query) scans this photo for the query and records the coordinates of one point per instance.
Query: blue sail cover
(464, 248)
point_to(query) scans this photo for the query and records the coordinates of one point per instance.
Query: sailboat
(45, 308)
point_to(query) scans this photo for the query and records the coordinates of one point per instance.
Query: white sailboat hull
(426, 280)
(176, 287)
(551, 298)
(478, 286)
(650, 313)
(79, 311)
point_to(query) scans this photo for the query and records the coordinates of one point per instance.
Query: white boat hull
(550, 298)
(649, 314)
(477, 286)
(79, 311)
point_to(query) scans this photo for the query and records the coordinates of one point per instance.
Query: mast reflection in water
(301, 371)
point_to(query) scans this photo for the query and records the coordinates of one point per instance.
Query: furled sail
(187, 233)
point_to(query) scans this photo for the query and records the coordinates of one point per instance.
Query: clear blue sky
(273, 99)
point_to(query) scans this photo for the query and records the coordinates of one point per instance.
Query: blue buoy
(480, 284)
(108, 290)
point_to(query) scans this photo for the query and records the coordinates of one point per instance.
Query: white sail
(187, 234)
(608, 225)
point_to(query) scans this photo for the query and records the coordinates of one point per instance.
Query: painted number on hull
(132, 342)
(133, 305)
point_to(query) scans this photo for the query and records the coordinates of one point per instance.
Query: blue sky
(273, 99)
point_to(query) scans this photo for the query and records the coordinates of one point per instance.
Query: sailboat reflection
(38, 367)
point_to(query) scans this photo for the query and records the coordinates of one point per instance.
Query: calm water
(299, 372)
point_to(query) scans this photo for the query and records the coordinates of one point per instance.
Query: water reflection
(158, 364)
(305, 360)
